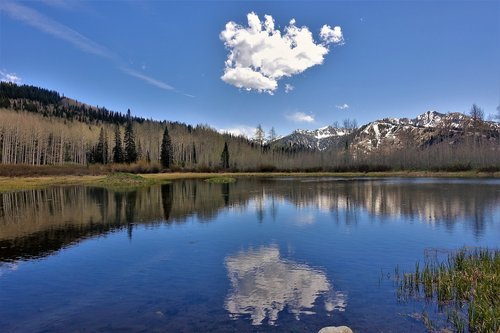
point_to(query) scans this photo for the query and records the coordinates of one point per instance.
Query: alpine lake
(257, 255)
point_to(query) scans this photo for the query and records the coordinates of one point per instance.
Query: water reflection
(38, 222)
(263, 284)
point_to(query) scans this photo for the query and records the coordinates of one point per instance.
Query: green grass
(120, 180)
(221, 180)
(466, 287)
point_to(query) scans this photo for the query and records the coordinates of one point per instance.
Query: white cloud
(9, 77)
(288, 87)
(329, 35)
(260, 55)
(342, 106)
(248, 79)
(240, 130)
(300, 117)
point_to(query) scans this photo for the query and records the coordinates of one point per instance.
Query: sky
(234, 65)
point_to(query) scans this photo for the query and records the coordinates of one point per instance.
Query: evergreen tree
(105, 149)
(129, 141)
(166, 150)
(139, 150)
(100, 151)
(224, 158)
(195, 160)
(118, 149)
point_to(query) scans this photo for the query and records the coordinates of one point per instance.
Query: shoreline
(9, 184)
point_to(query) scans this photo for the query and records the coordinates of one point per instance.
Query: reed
(465, 286)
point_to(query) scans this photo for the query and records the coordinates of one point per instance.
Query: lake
(261, 254)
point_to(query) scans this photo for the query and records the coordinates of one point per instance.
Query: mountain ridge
(372, 135)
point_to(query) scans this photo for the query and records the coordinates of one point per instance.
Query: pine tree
(224, 158)
(100, 155)
(166, 150)
(129, 141)
(195, 160)
(118, 149)
(139, 150)
(105, 147)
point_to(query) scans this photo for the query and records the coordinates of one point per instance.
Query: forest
(40, 127)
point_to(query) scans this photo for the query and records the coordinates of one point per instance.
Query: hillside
(42, 127)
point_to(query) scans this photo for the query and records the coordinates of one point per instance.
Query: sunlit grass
(120, 180)
(465, 286)
(9, 183)
(221, 180)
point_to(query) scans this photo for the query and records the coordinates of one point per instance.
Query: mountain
(319, 139)
(424, 130)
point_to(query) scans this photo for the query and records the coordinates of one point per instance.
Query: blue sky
(165, 60)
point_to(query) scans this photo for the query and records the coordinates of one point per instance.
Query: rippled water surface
(279, 254)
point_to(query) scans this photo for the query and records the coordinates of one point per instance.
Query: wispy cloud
(288, 87)
(43, 23)
(300, 117)
(145, 78)
(62, 4)
(342, 106)
(9, 77)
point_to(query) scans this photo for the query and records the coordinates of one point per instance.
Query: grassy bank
(30, 182)
(465, 287)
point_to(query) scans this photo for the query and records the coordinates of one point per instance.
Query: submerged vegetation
(465, 286)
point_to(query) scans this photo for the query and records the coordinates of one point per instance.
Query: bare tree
(350, 124)
(272, 134)
(259, 134)
(477, 116)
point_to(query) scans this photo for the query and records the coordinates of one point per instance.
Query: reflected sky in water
(263, 284)
(267, 255)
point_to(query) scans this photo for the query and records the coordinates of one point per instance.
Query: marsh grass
(465, 286)
(33, 178)
(221, 180)
(120, 180)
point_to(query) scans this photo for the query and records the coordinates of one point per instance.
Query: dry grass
(28, 182)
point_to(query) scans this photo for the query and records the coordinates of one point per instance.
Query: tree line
(41, 127)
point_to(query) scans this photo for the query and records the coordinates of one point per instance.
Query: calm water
(267, 255)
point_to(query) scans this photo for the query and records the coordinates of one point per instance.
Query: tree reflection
(36, 222)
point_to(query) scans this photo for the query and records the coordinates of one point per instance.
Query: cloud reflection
(263, 284)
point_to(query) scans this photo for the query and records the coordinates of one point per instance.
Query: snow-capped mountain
(428, 128)
(321, 138)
